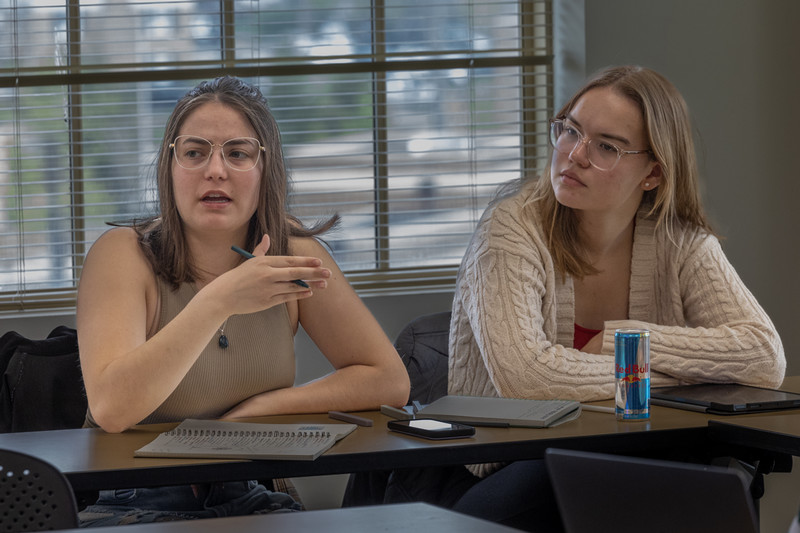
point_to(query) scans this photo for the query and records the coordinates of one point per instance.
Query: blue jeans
(184, 502)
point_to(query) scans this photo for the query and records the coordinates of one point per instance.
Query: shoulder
(312, 247)
(680, 240)
(510, 223)
(307, 246)
(118, 251)
(687, 241)
(119, 240)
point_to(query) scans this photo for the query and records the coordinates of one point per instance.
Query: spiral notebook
(218, 439)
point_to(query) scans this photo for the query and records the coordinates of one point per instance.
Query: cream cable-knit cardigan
(513, 318)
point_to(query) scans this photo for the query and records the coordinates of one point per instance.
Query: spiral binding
(183, 432)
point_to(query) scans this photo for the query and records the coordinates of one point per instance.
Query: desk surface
(92, 459)
(775, 432)
(407, 518)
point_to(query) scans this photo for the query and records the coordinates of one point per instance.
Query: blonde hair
(669, 134)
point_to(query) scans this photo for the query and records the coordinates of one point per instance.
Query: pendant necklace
(223, 340)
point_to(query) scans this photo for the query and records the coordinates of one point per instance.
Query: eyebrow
(611, 136)
(193, 139)
(243, 140)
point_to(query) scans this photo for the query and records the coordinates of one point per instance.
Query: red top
(582, 336)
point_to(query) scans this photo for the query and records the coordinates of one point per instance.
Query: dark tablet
(724, 398)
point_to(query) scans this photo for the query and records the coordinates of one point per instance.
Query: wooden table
(92, 459)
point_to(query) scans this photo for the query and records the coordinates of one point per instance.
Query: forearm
(747, 352)
(352, 388)
(132, 385)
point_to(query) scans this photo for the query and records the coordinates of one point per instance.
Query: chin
(569, 200)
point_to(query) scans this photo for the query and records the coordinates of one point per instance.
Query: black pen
(353, 419)
(248, 255)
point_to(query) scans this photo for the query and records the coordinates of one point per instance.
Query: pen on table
(598, 408)
(248, 255)
(347, 417)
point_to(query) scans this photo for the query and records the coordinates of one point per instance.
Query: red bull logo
(630, 379)
(632, 369)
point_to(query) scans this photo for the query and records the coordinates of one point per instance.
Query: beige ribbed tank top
(259, 358)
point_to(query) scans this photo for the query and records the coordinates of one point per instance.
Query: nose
(580, 152)
(216, 167)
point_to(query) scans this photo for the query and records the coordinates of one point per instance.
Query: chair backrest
(41, 386)
(602, 492)
(423, 347)
(34, 495)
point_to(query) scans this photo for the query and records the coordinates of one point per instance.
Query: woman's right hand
(267, 280)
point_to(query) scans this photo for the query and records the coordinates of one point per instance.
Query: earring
(647, 185)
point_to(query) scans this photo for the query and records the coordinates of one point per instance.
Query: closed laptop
(599, 493)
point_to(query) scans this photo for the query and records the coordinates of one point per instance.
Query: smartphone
(427, 428)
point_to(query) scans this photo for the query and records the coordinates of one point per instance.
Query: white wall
(737, 63)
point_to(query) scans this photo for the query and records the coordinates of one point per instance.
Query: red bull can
(632, 371)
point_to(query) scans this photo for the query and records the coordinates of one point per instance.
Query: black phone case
(459, 431)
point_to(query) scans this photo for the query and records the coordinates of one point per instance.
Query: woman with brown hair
(172, 323)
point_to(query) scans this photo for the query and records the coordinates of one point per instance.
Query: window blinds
(401, 116)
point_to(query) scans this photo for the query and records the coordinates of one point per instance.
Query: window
(401, 115)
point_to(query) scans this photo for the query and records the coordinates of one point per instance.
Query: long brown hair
(162, 238)
(669, 134)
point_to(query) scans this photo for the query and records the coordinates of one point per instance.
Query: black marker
(353, 419)
(248, 255)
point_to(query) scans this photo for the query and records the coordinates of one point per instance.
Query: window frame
(382, 279)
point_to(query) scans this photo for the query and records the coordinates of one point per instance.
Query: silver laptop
(599, 492)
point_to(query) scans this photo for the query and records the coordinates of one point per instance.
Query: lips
(216, 198)
(569, 178)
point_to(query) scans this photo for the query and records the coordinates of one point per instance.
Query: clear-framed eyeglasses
(192, 152)
(602, 155)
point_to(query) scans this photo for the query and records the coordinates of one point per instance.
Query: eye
(571, 131)
(608, 148)
(237, 154)
(194, 153)
(240, 150)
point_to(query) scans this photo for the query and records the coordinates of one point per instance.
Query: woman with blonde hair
(611, 235)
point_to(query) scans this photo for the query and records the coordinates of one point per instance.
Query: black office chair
(423, 345)
(34, 495)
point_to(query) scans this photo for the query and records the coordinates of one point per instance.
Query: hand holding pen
(248, 255)
(303, 271)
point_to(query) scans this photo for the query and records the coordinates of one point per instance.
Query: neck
(212, 256)
(605, 235)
